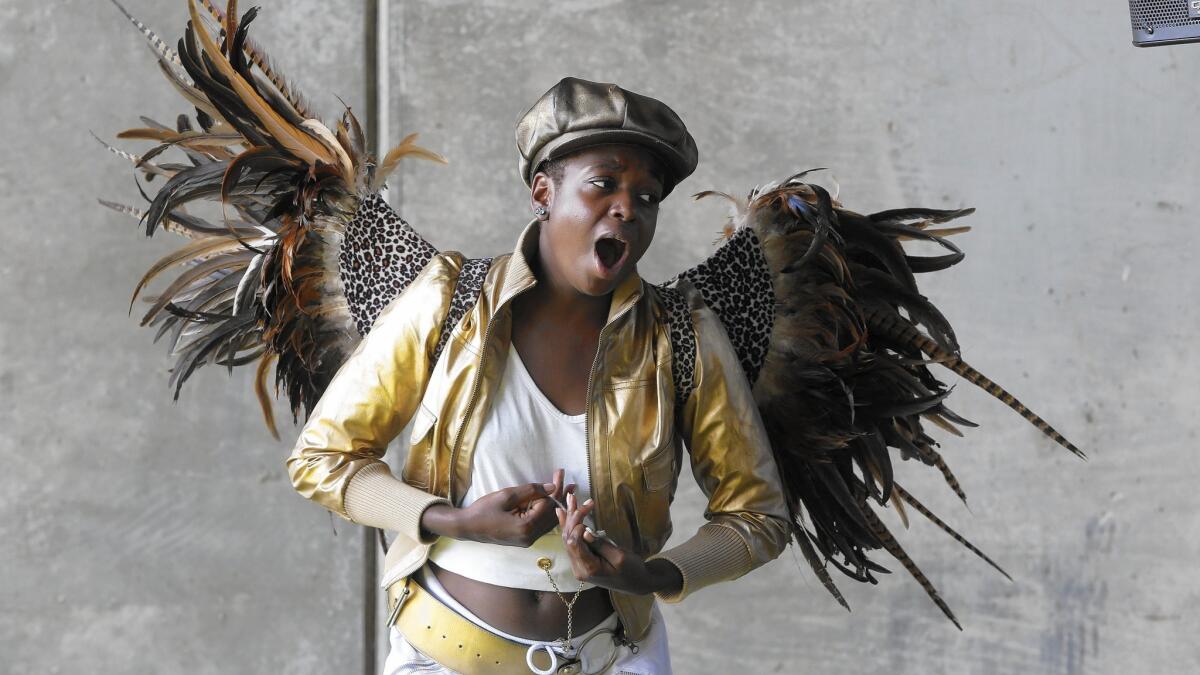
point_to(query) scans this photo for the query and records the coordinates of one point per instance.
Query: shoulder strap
(466, 294)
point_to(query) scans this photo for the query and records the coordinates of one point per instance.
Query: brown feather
(392, 159)
(231, 24)
(300, 143)
(259, 59)
(199, 249)
(260, 390)
(893, 547)
(920, 508)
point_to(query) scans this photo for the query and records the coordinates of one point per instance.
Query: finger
(577, 547)
(594, 568)
(575, 509)
(581, 563)
(584, 509)
(605, 550)
(570, 520)
(559, 477)
(516, 495)
(539, 508)
(542, 515)
(575, 518)
(529, 492)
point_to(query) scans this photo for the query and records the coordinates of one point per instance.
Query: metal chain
(565, 644)
(545, 564)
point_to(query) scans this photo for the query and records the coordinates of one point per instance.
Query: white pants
(652, 658)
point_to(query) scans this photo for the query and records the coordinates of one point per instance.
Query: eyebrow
(616, 165)
(610, 164)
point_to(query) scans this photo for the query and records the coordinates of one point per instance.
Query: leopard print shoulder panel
(380, 256)
(683, 342)
(466, 293)
(736, 283)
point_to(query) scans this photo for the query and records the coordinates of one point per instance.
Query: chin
(596, 287)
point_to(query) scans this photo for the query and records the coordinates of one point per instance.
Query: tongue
(609, 251)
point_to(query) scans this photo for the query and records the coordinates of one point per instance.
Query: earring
(540, 211)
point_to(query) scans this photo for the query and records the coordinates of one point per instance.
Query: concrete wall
(141, 535)
(138, 535)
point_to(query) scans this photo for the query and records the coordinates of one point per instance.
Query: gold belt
(447, 637)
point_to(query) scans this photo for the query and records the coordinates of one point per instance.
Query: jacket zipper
(587, 436)
(487, 332)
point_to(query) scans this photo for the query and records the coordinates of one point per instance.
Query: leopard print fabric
(683, 342)
(380, 256)
(466, 293)
(736, 283)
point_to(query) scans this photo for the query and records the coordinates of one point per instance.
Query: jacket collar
(519, 275)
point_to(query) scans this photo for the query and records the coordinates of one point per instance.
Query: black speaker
(1164, 22)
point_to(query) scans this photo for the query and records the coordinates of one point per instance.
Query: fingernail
(559, 511)
(588, 502)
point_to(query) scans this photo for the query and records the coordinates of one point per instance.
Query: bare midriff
(536, 615)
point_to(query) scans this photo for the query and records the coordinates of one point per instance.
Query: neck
(554, 295)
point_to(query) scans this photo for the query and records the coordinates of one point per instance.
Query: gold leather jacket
(634, 442)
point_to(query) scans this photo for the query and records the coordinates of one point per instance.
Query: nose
(621, 207)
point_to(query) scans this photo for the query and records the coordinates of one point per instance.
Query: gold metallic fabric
(634, 452)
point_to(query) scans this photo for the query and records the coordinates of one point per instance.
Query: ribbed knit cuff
(715, 553)
(376, 498)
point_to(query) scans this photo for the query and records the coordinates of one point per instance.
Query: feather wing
(823, 307)
(267, 283)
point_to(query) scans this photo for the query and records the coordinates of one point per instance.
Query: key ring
(549, 649)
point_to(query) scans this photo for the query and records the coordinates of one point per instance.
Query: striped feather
(160, 48)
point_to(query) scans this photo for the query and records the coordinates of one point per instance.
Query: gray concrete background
(142, 536)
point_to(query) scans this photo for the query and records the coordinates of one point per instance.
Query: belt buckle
(395, 611)
(571, 668)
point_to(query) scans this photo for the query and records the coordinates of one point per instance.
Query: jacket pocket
(658, 470)
(418, 467)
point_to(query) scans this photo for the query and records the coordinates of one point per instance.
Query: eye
(602, 182)
(648, 198)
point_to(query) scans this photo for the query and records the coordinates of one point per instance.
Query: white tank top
(524, 438)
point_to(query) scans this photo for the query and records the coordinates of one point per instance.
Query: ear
(541, 193)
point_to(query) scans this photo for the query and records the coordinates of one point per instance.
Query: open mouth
(610, 251)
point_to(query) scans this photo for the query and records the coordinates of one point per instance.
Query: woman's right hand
(513, 516)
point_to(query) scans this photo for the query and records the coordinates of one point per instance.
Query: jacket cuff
(715, 553)
(376, 498)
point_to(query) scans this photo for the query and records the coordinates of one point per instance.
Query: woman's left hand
(601, 563)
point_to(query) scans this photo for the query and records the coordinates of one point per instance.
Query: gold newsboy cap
(576, 114)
